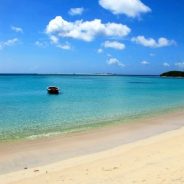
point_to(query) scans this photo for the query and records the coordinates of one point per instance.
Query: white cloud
(17, 29)
(100, 50)
(8, 43)
(54, 39)
(115, 61)
(150, 42)
(166, 64)
(145, 62)
(180, 65)
(41, 44)
(85, 30)
(76, 11)
(114, 45)
(131, 8)
(65, 46)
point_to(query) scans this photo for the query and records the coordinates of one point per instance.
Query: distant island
(173, 74)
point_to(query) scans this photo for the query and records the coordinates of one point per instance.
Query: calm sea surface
(27, 111)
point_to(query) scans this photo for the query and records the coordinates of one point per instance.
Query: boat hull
(53, 90)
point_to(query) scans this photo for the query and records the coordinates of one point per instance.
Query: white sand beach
(154, 158)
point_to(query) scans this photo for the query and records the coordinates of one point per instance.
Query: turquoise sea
(27, 111)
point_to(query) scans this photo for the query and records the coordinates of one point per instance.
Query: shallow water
(27, 111)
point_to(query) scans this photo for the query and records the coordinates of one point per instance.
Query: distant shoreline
(77, 74)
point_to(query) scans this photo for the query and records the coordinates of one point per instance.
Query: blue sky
(99, 36)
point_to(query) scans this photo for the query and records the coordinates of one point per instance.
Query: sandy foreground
(157, 159)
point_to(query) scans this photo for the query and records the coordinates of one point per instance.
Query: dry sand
(153, 160)
(159, 159)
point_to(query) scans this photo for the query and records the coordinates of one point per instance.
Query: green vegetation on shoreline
(173, 74)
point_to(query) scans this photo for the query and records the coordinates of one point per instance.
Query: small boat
(53, 90)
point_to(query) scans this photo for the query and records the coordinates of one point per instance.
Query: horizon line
(84, 74)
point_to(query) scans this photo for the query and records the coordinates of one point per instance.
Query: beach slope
(158, 159)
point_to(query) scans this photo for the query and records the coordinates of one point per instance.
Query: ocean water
(27, 111)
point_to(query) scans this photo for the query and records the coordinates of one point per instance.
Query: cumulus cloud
(150, 42)
(131, 8)
(65, 46)
(54, 39)
(115, 61)
(85, 30)
(166, 64)
(145, 62)
(17, 29)
(8, 43)
(114, 44)
(76, 11)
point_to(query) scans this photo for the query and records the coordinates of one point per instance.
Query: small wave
(33, 137)
(141, 82)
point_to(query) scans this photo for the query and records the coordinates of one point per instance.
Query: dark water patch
(141, 82)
